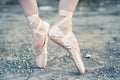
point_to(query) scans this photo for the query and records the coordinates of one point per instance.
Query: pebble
(19, 66)
(110, 57)
(88, 56)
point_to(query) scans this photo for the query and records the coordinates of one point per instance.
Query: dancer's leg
(62, 34)
(39, 28)
(69, 5)
(29, 7)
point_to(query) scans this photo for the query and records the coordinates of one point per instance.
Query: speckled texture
(98, 34)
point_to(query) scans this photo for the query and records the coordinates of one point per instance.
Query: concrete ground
(98, 34)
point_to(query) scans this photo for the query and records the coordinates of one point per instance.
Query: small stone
(110, 57)
(19, 66)
(88, 56)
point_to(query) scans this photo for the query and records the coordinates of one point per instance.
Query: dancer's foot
(40, 30)
(62, 34)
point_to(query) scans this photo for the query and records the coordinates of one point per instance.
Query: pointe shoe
(39, 40)
(61, 33)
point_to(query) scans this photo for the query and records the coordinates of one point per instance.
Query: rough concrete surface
(98, 34)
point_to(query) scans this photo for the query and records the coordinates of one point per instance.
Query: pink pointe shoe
(40, 30)
(61, 33)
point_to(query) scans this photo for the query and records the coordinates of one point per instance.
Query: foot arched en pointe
(61, 33)
(40, 30)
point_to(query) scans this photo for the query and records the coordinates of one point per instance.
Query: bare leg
(39, 29)
(69, 5)
(62, 34)
(29, 7)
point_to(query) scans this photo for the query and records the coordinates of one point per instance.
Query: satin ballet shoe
(40, 30)
(61, 33)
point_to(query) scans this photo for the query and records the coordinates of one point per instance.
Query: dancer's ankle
(64, 21)
(36, 23)
(66, 13)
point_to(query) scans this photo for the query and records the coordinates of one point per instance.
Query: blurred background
(84, 6)
(46, 2)
(96, 26)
